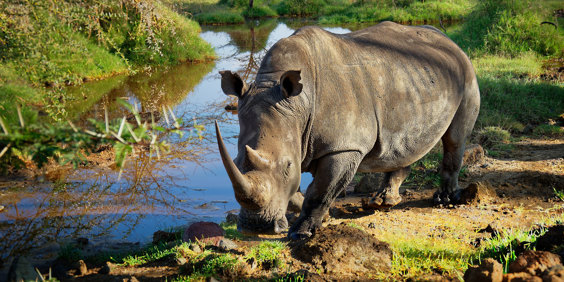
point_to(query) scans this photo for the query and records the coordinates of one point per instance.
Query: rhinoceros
(373, 100)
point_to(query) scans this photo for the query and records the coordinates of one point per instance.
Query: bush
(219, 17)
(259, 12)
(492, 135)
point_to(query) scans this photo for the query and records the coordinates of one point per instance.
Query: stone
(554, 274)
(82, 269)
(343, 249)
(181, 260)
(489, 270)
(195, 248)
(521, 277)
(476, 193)
(22, 270)
(107, 268)
(227, 245)
(2, 208)
(207, 232)
(534, 262)
(163, 236)
(232, 218)
(369, 183)
(474, 154)
(552, 240)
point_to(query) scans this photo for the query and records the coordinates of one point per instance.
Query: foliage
(46, 46)
(551, 130)
(34, 145)
(152, 253)
(267, 253)
(219, 17)
(503, 246)
(509, 28)
(259, 12)
(231, 231)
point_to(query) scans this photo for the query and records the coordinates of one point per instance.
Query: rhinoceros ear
(232, 84)
(290, 83)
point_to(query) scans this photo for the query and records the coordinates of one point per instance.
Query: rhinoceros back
(389, 91)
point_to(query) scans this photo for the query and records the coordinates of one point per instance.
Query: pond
(186, 186)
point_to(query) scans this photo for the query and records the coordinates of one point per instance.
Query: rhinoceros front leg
(332, 174)
(388, 195)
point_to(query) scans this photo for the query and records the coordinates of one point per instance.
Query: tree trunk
(251, 3)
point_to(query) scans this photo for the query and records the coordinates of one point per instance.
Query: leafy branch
(35, 145)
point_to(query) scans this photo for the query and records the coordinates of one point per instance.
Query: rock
(534, 262)
(552, 240)
(107, 268)
(207, 232)
(195, 248)
(474, 154)
(81, 269)
(227, 245)
(344, 249)
(554, 274)
(369, 183)
(521, 277)
(181, 260)
(163, 236)
(22, 270)
(493, 228)
(232, 218)
(2, 208)
(489, 270)
(476, 193)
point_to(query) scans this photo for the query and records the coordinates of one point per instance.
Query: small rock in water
(207, 232)
(231, 218)
(2, 208)
(227, 245)
(22, 270)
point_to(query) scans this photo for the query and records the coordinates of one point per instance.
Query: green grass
(219, 17)
(231, 231)
(267, 254)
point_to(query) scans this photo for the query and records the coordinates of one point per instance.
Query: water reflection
(187, 185)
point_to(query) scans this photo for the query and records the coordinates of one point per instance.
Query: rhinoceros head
(266, 172)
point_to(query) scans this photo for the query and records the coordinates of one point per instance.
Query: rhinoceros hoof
(445, 198)
(295, 236)
(381, 201)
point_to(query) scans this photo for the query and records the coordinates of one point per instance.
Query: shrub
(259, 12)
(219, 17)
(492, 135)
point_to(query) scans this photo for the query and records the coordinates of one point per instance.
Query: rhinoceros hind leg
(388, 195)
(454, 141)
(332, 173)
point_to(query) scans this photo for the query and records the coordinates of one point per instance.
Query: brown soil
(517, 192)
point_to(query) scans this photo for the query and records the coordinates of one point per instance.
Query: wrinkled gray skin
(374, 100)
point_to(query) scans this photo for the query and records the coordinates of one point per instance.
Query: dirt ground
(516, 191)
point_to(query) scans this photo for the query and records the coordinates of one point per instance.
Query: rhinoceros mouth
(253, 223)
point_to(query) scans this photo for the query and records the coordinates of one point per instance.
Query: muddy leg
(388, 195)
(453, 150)
(332, 174)
(296, 201)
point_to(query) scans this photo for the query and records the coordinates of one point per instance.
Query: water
(188, 185)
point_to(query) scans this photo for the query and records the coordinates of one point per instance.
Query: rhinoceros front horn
(240, 183)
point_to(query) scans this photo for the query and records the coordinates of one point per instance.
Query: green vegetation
(267, 254)
(326, 11)
(43, 44)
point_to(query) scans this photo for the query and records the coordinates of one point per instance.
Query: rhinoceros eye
(287, 169)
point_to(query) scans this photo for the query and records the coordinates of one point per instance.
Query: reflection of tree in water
(153, 88)
(92, 204)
